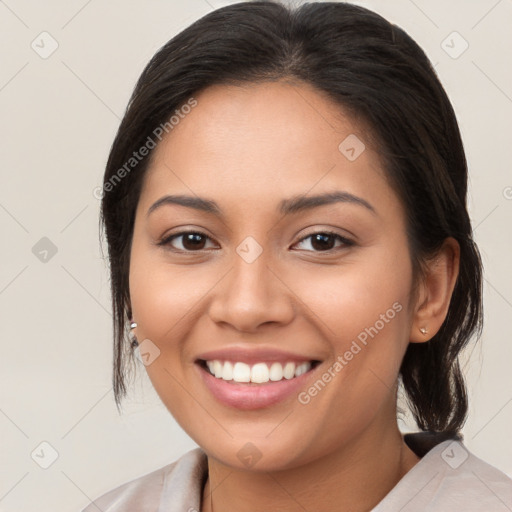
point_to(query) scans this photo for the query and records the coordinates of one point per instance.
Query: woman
(285, 212)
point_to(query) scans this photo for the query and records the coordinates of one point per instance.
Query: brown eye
(325, 241)
(190, 241)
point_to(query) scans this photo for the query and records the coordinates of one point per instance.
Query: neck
(357, 475)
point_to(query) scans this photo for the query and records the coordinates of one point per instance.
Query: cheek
(362, 312)
(164, 297)
(353, 296)
(168, 303)
(165, 301)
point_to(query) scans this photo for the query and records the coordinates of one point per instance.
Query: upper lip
(254, 355)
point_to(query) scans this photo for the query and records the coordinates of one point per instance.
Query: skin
(248, 148)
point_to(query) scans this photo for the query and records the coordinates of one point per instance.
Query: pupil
(194, 241)
(321, 241)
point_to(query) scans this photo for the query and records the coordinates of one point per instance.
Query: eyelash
(345, 241)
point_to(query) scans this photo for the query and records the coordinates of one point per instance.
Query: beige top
(448, 478)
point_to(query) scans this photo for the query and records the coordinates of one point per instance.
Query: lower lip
(248, 396)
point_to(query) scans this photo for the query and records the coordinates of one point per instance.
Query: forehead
(262, 142)
(278, 120)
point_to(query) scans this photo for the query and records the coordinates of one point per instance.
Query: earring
(423, 330)
(133, 340)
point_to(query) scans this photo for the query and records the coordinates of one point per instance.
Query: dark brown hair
(373, 70)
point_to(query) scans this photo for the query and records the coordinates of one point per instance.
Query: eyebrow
(286, 206)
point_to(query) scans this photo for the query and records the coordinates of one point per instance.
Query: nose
(250, 295)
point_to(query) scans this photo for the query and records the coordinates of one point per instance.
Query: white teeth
(302, 368)
(227, 371)
(276, 372)
(289, 371)
(241, 372)
(217, 369)
(258, 373)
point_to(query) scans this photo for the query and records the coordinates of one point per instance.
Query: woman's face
(271, 279)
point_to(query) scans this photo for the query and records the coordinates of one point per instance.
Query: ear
(435, 292)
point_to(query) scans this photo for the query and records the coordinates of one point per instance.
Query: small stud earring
(133, 339)
(423, 330)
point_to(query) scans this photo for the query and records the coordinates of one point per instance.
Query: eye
(191, 241)
(323, 241)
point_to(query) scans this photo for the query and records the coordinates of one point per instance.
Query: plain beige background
(58, 117)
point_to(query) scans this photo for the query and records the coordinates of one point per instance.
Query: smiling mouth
(258, 373)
